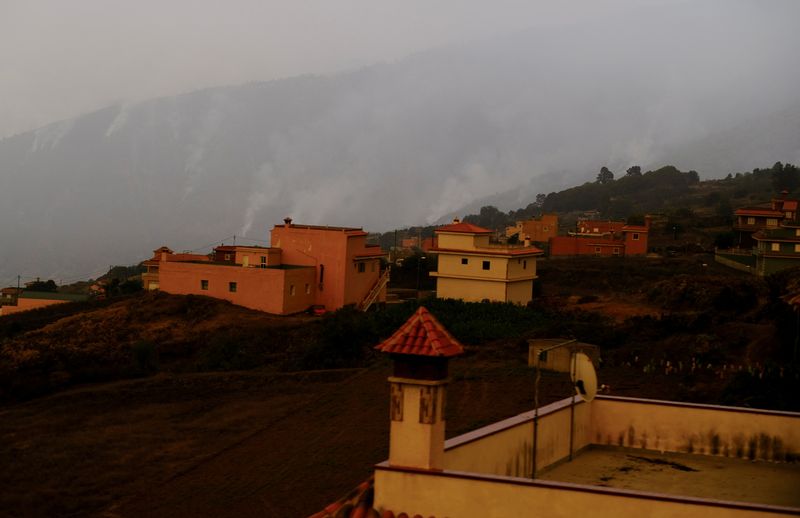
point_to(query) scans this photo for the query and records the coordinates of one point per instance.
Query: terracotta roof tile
(422, 335)
(467, 228)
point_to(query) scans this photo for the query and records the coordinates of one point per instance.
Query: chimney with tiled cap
(420, 349)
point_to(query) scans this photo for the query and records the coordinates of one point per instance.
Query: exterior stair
(373, 294)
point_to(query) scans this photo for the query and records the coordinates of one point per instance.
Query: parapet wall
(689, 428)
(506, 447)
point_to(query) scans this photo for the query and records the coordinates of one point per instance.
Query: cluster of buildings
(591, 237)
(767, 237)
(305, 266)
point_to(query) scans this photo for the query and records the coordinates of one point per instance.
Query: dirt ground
(702, 476)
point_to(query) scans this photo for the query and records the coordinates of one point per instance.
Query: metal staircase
(373, 294)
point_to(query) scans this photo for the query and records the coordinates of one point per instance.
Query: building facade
(472, 268)
(305, 266)
(602, 238)
(537, 230)
(777, 248)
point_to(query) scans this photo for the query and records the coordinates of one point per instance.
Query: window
(789, 215)
(232, 287)
(616, 250)
(524, 264)
(597, 250)
(321, 276)
(635, 236)
(776, 247)
(751, 221)
(772, 222)
(797, 248)
(464, 260)
(263, 261)
(797, 232)
(204, 285)
(486, 265)
(308, 289)
(227, 257)
(361, 267)
(291, 290)
(543, 356)
(546, 229)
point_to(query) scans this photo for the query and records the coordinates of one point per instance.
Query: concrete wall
(702, 429)
(485, 496)
(505, 448)
(519, 292)
(336, 250)
(461, 241)
(24, 304)
(263, 289)
(469, 290)
(450, 264)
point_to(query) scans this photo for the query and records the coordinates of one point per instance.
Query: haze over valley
(405, 142)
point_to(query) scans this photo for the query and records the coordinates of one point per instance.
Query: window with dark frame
(486, 265)
(232, 287)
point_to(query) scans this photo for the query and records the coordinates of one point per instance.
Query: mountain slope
(390, 145)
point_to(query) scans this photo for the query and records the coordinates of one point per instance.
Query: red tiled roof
(422, 335)
(528, 250)
(466, 228)
(755, 211)
(790, 205)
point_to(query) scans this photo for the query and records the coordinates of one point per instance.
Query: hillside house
(777, 248)
(304, 266)
(607, 457)
(749, 220)
(767, 238)
(602, 238)
(472, 268)
(537, 230)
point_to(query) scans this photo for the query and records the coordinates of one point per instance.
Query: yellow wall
(426, 494)
(450, 264)
(415, 444)
(520, 292)
(469, 290)
(695, 429)
(461, 241)
(508, 450)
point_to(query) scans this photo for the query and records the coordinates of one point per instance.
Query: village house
(602, 456)
(472, 268)
(602, 238)
(749, 220)
(537, 230)
(305, 266)
(767, 238)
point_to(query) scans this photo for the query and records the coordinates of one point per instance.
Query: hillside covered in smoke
(394, 144)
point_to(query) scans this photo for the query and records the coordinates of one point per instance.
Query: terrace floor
(701, 476)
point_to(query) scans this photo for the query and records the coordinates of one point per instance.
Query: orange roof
(528, 250)
(422, 335)
(755, 211)
(790, 205)
(636, 228)
(466, 228)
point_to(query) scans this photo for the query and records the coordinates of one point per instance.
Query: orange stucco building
(26, 300)
(602, 238)
(537, 230)
(304, 266)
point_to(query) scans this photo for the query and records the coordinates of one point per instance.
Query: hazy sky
(60, 58)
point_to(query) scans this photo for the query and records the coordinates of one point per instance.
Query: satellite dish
(584, 376)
